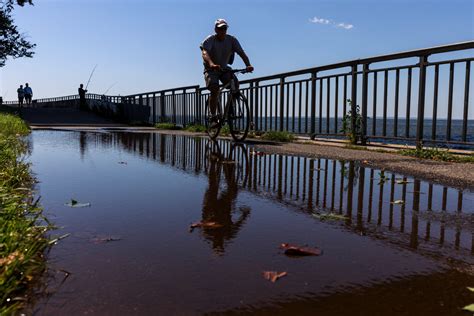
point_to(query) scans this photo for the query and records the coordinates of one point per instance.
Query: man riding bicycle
(218, 52)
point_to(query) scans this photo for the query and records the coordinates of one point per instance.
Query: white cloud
(343, 25)
(319, 20)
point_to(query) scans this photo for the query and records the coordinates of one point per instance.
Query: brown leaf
(273, 275)
(293, 250)
(210, 225)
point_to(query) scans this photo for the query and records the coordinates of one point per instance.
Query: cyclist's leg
(212, 83)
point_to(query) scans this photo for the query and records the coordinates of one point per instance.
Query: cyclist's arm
(207, 59)
(246, 60)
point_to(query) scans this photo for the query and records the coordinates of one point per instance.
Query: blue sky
(144, 45)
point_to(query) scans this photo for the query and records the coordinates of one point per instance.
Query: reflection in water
(429, 216)
(375, 250)
(219, 200)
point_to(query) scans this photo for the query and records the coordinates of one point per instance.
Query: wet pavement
(391, 244)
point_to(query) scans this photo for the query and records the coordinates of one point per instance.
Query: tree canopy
(12, 42)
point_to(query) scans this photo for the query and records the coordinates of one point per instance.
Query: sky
(145, 45)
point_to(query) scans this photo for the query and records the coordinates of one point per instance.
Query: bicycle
(236, 112)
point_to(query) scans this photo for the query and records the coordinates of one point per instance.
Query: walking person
(28, 94)
(218, 51)
(82, 97)
(21, 95)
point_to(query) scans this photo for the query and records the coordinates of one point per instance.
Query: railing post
(257, 105)
(354, 104)
(252, 126)
(282, 102)
(198, 117)
(154, 109)
(163, 114)
(421, 102)
(313, 105)
(365, 84)
(184, 108)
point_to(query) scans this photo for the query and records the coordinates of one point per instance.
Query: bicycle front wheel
(213, 122)
(239, 117)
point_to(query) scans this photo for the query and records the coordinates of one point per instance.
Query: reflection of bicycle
(233, 160)
(236, 112)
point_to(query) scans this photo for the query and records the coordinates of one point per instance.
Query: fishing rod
(110, 87)
(90, 77)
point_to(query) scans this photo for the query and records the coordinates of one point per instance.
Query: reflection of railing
(431, 215)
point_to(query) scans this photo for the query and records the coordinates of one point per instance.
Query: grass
(436, 154)
(196, 128)
(279, 136)
(22, 225)
(170, 126)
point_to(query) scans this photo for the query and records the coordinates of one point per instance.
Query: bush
(436, 154)
(278, 136)
(195, 128)
(169, 126)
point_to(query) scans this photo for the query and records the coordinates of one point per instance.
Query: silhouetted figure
(28, 94)
(82, 97)
(21, 96)
(220, 207)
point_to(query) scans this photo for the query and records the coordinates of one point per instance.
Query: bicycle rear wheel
(213, 122)
(238, 117)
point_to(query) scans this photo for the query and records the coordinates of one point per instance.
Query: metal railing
(402, 97)
(89, 96)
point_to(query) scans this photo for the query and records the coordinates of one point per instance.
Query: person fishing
(82, 97)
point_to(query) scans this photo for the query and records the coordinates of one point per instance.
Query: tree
(12, 43)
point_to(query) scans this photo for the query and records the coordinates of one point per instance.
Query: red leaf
(209, 225)
(293, 250)
(273, 275)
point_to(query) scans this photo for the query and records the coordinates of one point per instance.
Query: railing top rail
(164, 91)
(381, 58)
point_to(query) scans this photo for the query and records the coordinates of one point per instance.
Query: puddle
(378, 255)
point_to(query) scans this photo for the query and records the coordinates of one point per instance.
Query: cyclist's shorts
(212, 78)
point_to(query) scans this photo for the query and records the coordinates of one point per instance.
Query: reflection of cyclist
(218, 52)
(219, 208)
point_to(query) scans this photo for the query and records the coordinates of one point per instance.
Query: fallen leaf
(228, 162)
(329, 216)
(471, 289)
(365, 161)
(273, 275)
(210, 225)
(100, 240)
(398, 202)
(75, 203)
(469, 308)
(293, 250)
(401, 181)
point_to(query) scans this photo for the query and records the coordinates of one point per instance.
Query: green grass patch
(196, 128)
(169, 126)
(22, 226)
(279, 136)
(436, 154)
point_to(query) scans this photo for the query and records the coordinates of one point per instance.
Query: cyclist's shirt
(221, 52)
